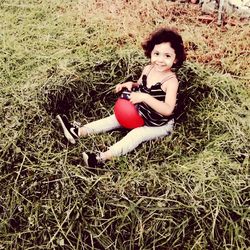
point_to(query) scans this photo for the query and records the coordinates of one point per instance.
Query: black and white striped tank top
(150, 116)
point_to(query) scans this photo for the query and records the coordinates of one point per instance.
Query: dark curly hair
(164, 35)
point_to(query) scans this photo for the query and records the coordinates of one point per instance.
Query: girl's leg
(136, 137)
(99, 126)
(72, 132)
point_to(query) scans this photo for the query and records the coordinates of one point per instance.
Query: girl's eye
(167, 56)
(156, 53)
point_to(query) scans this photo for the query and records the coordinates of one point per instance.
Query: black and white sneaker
(92, 160)
(70, 131)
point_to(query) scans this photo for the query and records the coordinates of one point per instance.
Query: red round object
(127, 114)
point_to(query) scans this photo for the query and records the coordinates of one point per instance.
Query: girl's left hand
(136, 97)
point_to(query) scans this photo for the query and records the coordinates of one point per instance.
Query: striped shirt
(150, 116)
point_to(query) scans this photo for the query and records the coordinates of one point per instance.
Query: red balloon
(127, 114)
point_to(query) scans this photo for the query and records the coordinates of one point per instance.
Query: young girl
(155, 96)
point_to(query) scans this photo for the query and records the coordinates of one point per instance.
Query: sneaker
(92, 160)
(70, 131)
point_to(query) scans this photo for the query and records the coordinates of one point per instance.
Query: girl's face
(163, 57)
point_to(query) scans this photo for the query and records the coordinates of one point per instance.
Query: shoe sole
(65, 131)
(85, 158)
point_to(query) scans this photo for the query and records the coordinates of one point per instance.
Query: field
(187, 191)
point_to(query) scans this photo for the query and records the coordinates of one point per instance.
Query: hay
(190, 191)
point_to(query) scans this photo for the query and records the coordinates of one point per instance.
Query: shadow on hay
(76, 96)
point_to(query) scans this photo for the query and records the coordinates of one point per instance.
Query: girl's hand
(136, 97)
(127, 85)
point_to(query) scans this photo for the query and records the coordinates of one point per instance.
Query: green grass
(190, 191)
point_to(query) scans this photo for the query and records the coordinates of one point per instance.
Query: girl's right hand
(120, 86)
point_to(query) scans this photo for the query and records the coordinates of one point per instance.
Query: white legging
(134, 137)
